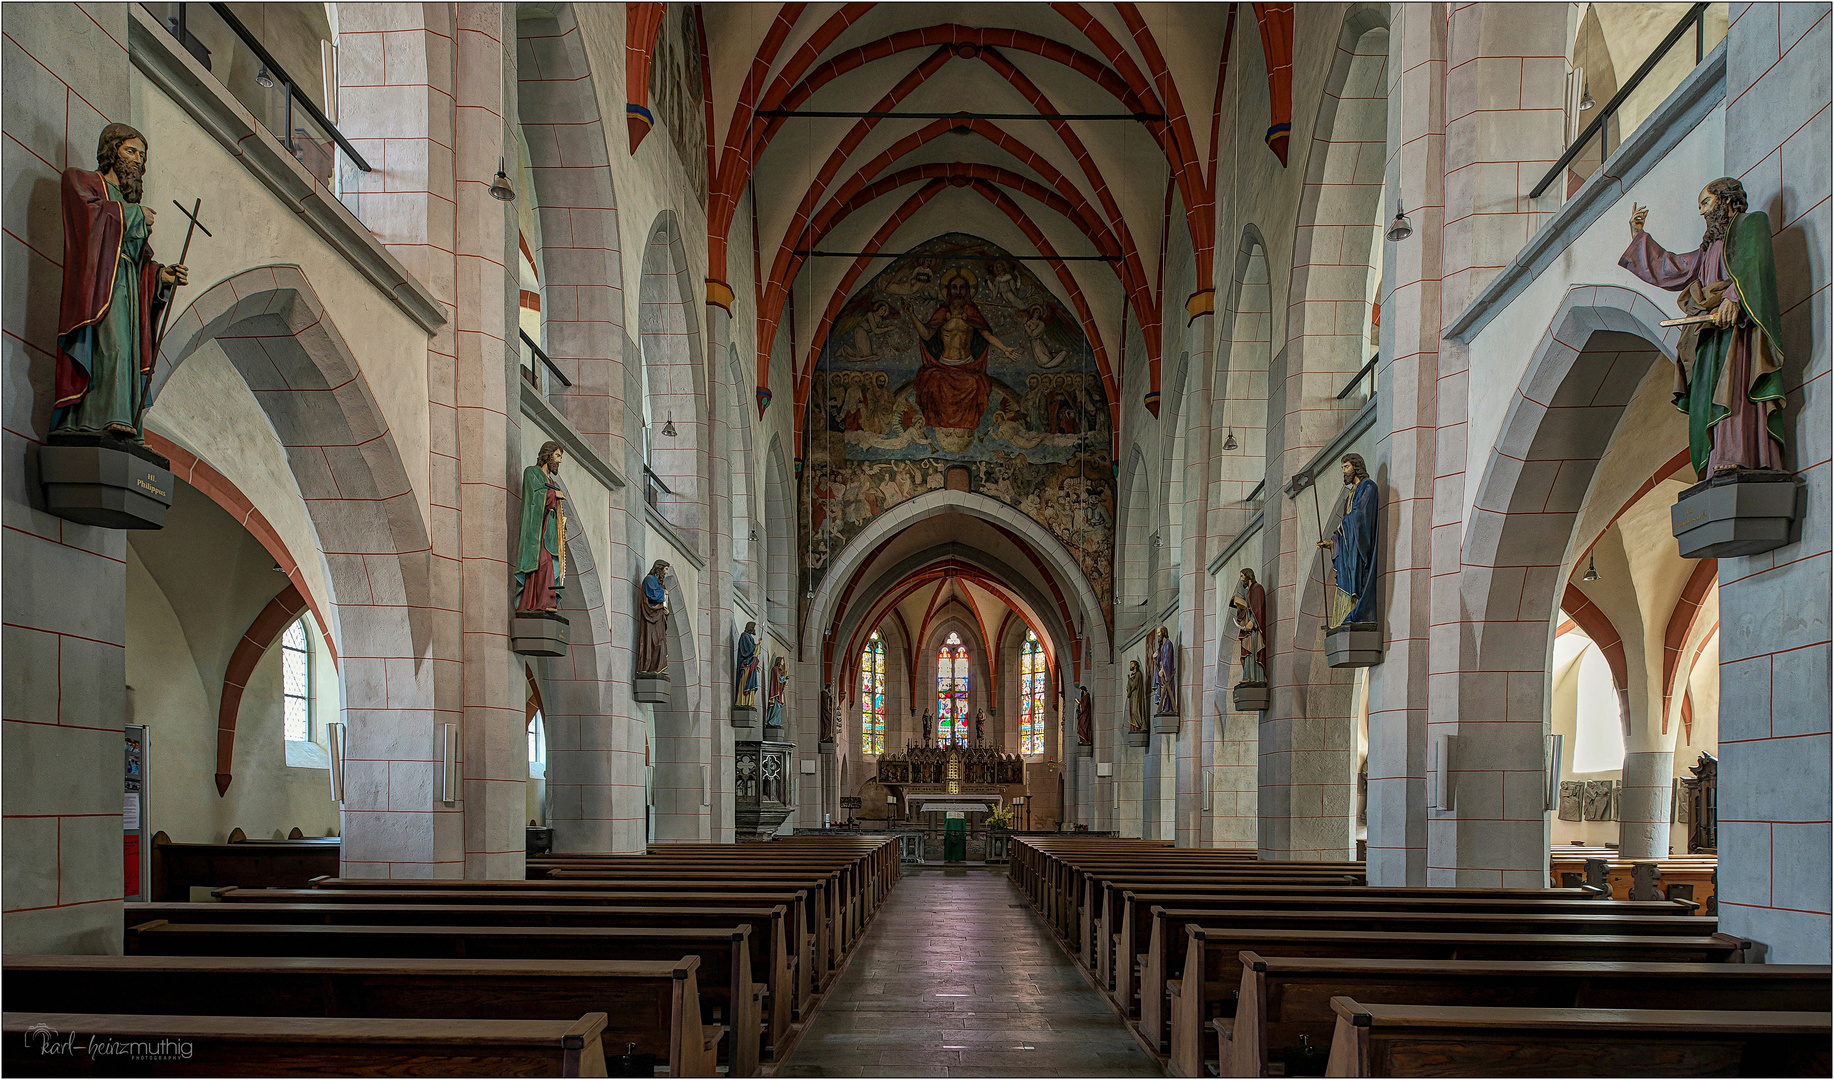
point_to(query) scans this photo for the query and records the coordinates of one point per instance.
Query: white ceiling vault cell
(1074, 134)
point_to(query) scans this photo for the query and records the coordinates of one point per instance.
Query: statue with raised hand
(1728, 368)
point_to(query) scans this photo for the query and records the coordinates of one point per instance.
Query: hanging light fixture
(500, 189)
(1591, 573)
(1585, 97)
(668, 427)
(1400, 228)
(1229, 442)
(262, 77)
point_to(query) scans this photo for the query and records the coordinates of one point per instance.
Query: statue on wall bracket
(95, 465)
(779, 689)
(746, 665)
(1165, 684)
(1353, 637)
(537, 627)
(1248, 608)
(1138, 733)
(830, 719)
(1085, 721)
(1728, 375)
(653, 637)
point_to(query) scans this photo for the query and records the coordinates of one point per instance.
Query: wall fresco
(957, 357)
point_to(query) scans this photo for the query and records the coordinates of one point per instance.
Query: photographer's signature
(47, 1041)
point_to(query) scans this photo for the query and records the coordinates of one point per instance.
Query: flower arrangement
(1000, 818)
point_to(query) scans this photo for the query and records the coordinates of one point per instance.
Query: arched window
(296, 681)
(872, 695)
(952, 691)
(1031, 695)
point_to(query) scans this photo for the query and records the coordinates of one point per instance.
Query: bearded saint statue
(1732, 391)
(1353, 549)
(1249, 605)
(113, 293)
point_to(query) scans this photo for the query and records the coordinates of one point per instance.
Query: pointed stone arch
(371, 535)
(1518, 541)
(674, 380)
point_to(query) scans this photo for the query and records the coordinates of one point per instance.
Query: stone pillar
(1159, 788)
(1774, 653)
(66, 584)
(488, 417)
(725, 620)
(1505, 122)
(397, 92)
(1643, 804)
(1406, 415)
(1195, 632)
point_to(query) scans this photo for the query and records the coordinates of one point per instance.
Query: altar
(936, 783)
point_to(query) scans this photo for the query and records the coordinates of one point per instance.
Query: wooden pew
(849, 905)
(1213, 953)
(1448, 1040)
(724, 967)
(798, 902)
(176, 868)
(831, 913)
(1098, 887)
(1130, 932)
(1283, 998)
(301, 1046)
(768, 941)
(1448, 920)
(1700, 872)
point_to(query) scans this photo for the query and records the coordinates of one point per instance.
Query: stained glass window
(952, 724)
(296, 682)
(872, 695)
(1031, 695)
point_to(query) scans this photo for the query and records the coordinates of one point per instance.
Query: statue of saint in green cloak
(541, 555)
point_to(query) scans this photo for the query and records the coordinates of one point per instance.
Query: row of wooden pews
(1691, 877)
(679, 962)
(1226, 965)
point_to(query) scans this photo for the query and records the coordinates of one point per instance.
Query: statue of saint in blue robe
(1353, 558)
(746, 691)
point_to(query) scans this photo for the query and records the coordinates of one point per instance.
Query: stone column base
(1353, 648)
(653, 687)
(1744, 512)
(105, 482)
(538, 633)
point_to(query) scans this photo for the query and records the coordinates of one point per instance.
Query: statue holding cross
(114, 293)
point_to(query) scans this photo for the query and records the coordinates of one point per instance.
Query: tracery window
(296, 681)
(872, 695)
(1031, 695)
(952, 691)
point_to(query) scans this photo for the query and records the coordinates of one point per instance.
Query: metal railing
(301, 142)
(1367, 371)
(532, 374)
(654, 488)
(1600, 125)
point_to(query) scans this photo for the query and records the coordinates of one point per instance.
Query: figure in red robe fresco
(952, 388)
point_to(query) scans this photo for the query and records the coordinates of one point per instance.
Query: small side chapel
(654, 538)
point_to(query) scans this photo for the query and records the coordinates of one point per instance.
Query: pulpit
(761, 787)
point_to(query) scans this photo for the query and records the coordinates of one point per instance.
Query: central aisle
(957, 977)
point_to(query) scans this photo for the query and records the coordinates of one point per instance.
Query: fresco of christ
(952, 387)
